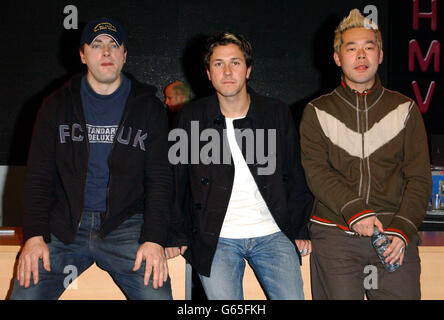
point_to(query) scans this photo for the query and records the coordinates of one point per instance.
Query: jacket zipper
(363, 161)
(368, 156)
(80, 116)
(358, 128)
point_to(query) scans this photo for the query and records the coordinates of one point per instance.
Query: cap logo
(104, 26)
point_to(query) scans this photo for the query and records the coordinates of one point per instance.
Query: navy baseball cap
(106, 26)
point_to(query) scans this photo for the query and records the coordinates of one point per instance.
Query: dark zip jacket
(140, 178)
(203, 190)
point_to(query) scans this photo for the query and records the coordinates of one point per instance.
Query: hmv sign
(425, 61)
(414, 57)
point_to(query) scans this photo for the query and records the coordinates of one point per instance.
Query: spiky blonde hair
(355, 20)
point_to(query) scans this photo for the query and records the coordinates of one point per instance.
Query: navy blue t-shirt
(102, 114)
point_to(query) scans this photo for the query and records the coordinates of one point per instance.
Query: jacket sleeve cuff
(401, 229)
(177, 236)
(356, 210)
(154, 234)
(35, 232)
(303, 233)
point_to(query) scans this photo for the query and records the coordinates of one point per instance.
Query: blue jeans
(115, 253)
(273, 259)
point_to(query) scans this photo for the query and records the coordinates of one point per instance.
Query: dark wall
(400, 77)
(292, 43)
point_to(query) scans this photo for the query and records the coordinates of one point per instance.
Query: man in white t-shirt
(249, 200)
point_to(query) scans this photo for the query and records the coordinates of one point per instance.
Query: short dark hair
(225, 38)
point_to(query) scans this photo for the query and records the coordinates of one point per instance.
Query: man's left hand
(304, 247)
(155, 263)
(395, 251)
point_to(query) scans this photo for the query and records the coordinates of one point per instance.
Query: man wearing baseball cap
(105, 26)
(98, 179)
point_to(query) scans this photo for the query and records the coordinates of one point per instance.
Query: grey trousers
(346, 267)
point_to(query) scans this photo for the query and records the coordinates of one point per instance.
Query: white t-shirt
(247, 213)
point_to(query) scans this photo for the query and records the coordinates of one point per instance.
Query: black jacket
(202, 192)
(140, 178)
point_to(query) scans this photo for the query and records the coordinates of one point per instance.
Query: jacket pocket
(200, 187)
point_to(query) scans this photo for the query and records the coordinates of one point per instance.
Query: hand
(395, 251)
(365, 227)
(175, 251)
(34, 249)
(304, 247)
(155, 262)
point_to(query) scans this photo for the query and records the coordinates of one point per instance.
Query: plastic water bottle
(380, 242)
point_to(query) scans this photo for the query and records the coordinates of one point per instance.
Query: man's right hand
(173, 252)
(366, 226)
(34, 249)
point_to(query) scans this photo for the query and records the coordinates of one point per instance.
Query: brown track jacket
(366, 154)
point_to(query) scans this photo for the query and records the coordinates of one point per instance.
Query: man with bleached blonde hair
(364, 152)
(355, 20)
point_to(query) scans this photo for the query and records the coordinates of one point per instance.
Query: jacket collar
(74, 88)
(371, 95)
(137, 89)
(254, 114)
